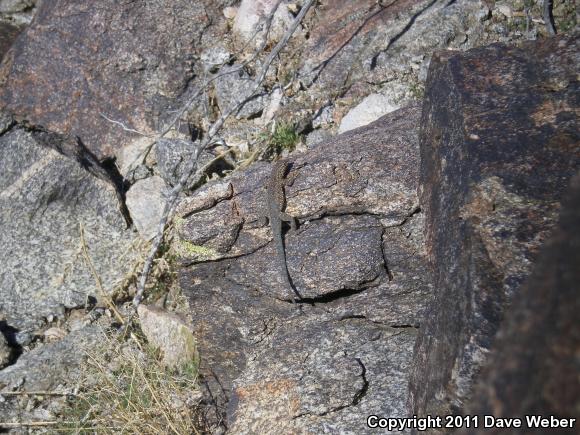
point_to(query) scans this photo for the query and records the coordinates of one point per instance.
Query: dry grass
(126, 390)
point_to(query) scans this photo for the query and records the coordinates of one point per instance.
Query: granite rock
(533, 369)
(52, 207)
(368, 110)
(132, 63)
(235, 86)
(146, 201)
(170, 333)
(5, 351)
(499, 146)
(356, 260)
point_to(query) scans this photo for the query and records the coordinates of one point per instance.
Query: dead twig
(180, 112)
(9, 425)
(192, 164)
(123, 126)
(35, 393)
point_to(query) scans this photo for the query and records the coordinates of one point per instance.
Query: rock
(251, 12)
(356, 259)
(130, 62)
(236, 87)
(327, 380)
(533, 370)
(130, 160)
(5, 352)
(230, 12)
(324, 117)
(52, 211)
(505, 10)
(172, 157)
(50, 365)
(370, 109)
(17, 12)
(6, 122)
(499, 146)
(364, 47)
(13, 6)
(215, 57)
(274, 104)
(317, 136)
(170, 333)
(54, 368)
(483, 14)
(347, 32)
(146, 201)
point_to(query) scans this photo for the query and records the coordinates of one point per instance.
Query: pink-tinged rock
(128, 61)
(499, 145)
(170, 333)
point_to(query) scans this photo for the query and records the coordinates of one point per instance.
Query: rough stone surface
(130, 160)
(47, 366)
(235, 87)
(12, 6)
(368, 110)
(533, 368)
(172, 156)
(145, 201)
(356, 260)
(170, 333)
(215, 57)
(53, 367)
(366, 42)
(316, 137)
(358, 48)
(250, 13)
(17, 12)
(45, 198)
(499, 145)
(317, 375)
(132, 62)
(5, 351)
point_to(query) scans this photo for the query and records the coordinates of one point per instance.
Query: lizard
(276, 198)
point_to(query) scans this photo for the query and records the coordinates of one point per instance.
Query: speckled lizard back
(276, 203)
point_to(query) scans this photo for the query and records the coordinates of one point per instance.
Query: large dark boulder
(357, 261)
(499, 145)
(534, 366)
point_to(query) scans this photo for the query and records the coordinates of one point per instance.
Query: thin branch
(192, 164)
(96, 276)
(124, 127)
(35, 393)
(189, 102)
(27, 424)
(179, 113)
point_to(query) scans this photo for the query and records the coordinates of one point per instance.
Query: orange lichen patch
(480, 205)
(280, 392)
(565, 141)
(270, 388)
(547, 112)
